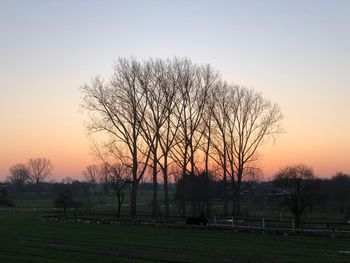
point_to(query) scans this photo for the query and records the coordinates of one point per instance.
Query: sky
(296, 53)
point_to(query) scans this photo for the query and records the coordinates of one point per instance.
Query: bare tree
(117, 109)
(160, 96)
(40, 169)
(64, 199)
(19, 175)
(115, 173)
(166, 143)
(119, 178)
(222, 137)
(169, 130)
(255, 120)
(207, 145)
(196, 82)
(243, 121)
(92, 175)
(298, 181)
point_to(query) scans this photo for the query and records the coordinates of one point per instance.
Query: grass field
(105, 202)
(23, 238)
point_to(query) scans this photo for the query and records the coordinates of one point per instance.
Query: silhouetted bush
(4, 199)
(65, 200)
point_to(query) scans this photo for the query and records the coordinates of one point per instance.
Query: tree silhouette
(298, 181)
(39, 169)
(19, 175)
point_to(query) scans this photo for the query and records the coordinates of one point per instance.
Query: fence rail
(268, 224)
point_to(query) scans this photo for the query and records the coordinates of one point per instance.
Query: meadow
(24, 238)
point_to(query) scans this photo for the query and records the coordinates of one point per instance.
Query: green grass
(23, 238)
(105, 202)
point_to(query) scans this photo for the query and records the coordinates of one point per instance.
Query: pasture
(24, 238)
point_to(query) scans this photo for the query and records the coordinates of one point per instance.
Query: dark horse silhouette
(201, 220)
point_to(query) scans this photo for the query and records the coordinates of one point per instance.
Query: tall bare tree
(207, 145)
(196, 82)
(117, 108)
(160, 97)
(169, 131)
(167, 142)
(255, 120)
(221, 111)
(244, 120)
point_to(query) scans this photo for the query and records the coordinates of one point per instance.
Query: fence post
(232, 222)
(293, 224)
(214, 220)
(263, 223)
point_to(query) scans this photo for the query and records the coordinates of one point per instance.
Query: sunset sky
(296, 53)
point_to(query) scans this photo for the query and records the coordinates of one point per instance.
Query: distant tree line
(294, 188)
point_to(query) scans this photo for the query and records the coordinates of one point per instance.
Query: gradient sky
(297, 53)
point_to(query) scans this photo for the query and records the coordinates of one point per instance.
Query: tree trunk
(166, 189)
(233, 198)
(120, 199)
(133, 199)
(225, 179)
(192, 186)
(184, 178)
(37, 190)
(207, 194)
(155, 186)
(207, 186)
(237, 195)
(118, 204)
(225, 193)
(238, 201)
(207, 190)
(298, 221)
(105, 187)
(135, 180)
(118, 209)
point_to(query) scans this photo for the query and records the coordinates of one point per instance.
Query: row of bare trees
(177, 118)
(36, 171)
